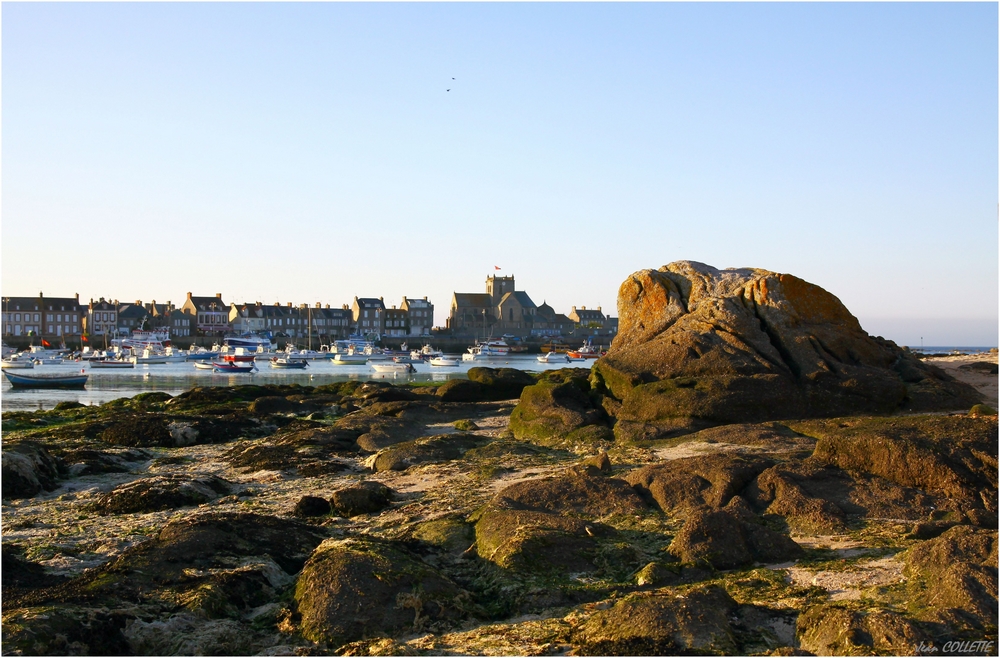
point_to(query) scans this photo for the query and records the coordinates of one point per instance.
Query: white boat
(141, 340)
(425, 353)
(393, 367)
(445, 361)
(552, 357)
(487, 350)
(41, 352)
(204, 365)
(9, 351)
(288, 363)
(110, 363)
(149, 357)
(49, 361)
(349, 359)
(14, 363)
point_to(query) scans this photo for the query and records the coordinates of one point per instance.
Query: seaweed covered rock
(539, 542)
(501, 383)
(559, 409)
(954, 578)
(680, 485)
(662, 623)
(351, 589)
(161, 492)
(431, 449)
(729, 538)
(89, 461)
(363, 498)
(953, 456)
(746, 345)
(28, 469)
(64, 631)
(834, 630)
(574, 492)
(461, 390)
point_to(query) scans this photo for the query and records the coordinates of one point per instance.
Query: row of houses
(500, 310)
(65, 317)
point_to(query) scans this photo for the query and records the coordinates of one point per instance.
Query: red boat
(588, 351)
(237, 358)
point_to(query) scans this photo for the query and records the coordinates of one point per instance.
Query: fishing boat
(393, 367)
(489, 350)
(552, 357)
(287, 363)
(238, 358)
(111, 363)
(587, 351)
(19, 380)
(425, 353)
(444, 361)
(233, 368)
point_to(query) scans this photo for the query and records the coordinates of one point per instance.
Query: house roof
(206, 303)
(127, 311)
(370, 302)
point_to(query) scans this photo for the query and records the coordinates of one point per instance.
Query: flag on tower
(495, 267)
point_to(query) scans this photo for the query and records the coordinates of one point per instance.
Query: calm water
(175, 378)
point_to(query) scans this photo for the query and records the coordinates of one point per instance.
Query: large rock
(953, 578)
(681, 485)
(28, 469)
(833, 630)
(666, 623)
(161, 492)
(575, 492)
(431, 449)
(559, 410)
(538, 542)
(501, 383)
(351, 589)
(741, 345)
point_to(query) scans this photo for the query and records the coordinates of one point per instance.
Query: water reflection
(175, 378)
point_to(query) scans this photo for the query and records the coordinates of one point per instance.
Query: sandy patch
(984, 383)
(853, 581)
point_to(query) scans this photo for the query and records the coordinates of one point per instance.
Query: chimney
(189, 295)
(425, 298)
(598, 309)
(77, 295)
(218, 295)
(573, 309)
(289, 304)
(583, 308)
(380, 298)
(318, 305)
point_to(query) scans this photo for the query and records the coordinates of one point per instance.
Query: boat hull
(45, 381)
(97, 363)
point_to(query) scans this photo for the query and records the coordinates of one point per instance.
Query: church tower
(498, 286)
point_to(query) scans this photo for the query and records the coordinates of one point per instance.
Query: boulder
(538, 542)
(351, 589)
(64, 631)
(729, 538)
(363, 498)
(747, 345)
(161, 492)
(833, 630)
(501, 383)
(554, 413)
(953, 578)
(88, 461)
(681, 485)
(312, 506)
(663, 623)
(461, 390)
(574, 492)
(431, 449)
(27, 470)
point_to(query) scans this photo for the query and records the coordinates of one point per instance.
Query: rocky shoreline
(575, 512)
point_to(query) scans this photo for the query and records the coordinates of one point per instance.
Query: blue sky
(310, 152)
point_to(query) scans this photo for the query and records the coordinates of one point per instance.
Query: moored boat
(393, 367)
(204, 365)
(444, 361)
(552, 357)
(20, 380)
(555, 346)
(288, 363)
(111, 363)
(233, 368)
(586, 351)
(349, 359)
(18, 363)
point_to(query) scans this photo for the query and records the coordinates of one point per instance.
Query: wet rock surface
(196, 525)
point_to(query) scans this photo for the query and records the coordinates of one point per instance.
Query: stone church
(503, 310)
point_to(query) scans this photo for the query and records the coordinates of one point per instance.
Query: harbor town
(500, 311)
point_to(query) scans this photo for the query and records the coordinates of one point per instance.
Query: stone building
(500, 310)
(368, 316)
(211, 314)
(421, 315)
(47, 317)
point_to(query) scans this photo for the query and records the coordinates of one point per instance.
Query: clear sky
(311, 152)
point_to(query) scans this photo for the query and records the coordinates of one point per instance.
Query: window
(17, 317)
(50, 329)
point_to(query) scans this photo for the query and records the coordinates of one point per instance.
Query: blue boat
(18, 380)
